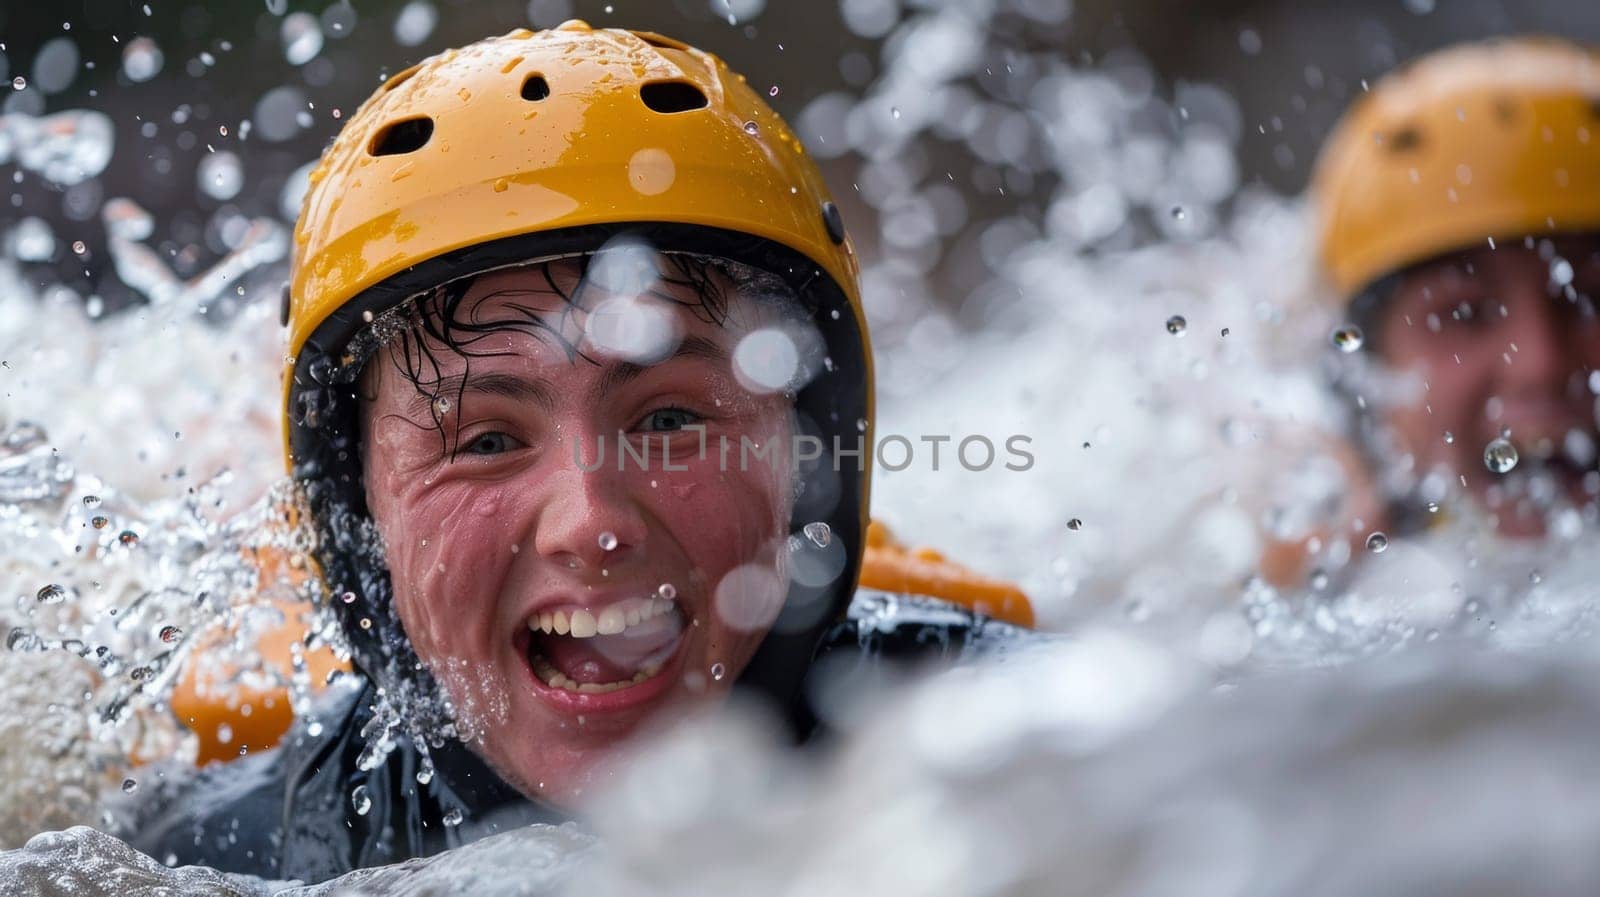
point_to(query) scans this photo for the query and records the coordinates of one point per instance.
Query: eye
(491, 443)
(665, 420)
(1477, 313)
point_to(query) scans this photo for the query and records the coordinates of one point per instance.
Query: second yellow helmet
(1479, 142)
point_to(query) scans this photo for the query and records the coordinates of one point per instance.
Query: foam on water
(1083, 212)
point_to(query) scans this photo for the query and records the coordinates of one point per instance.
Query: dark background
(1292, 66)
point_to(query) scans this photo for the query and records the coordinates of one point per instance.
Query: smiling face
(1503, 340)
(559, 600)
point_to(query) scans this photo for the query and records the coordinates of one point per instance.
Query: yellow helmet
(534, 145)
(1484, 141)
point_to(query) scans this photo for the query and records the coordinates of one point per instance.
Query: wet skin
(1500, 344)
(481, 540)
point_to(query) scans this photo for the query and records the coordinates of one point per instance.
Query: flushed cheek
(744, 605)
(728, 524)
(1446, 405)
(1588, 353)
(450, 573)
(719, 519)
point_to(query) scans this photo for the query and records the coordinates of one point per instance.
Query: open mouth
(589, 651)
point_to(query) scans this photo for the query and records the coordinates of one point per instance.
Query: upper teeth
(612, 620)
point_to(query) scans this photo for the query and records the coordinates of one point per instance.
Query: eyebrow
(539, 391)
(509, 386)
(691, 347)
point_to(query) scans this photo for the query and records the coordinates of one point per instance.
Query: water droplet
(33, 241)
(367, 316)
(348, 597)
(1535, 577)
(718, 671)
(21, 640)
(441, 406)
(1500, 455)
(1074, 524)
(1138, 611)
(1433, 507)
(772, 91)
(79, 247)
(1347, 338)
(819, 533)
(608, 541)
(314, 730)
(424, 775)
(141, 59)
(91, 501)
(128, 537)
(302, 38)
(1449, 437)
(129, 786)
(19, 82)
(1225, 331)
(894, 111)
(220, 175)
(1377, 543)
(52, 594)
(667, 591)
(170, 634)
(359, 801)
(98, 522)
(415, 23)
(366, 622)
(1177, 325)
(1178, 214)
(1319, 579)
(453, 818)
(752, 128)
(140, 674)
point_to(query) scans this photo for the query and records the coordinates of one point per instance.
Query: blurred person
(1458, 215)
(562, 306)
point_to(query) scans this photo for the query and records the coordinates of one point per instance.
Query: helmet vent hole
(401, 137)
(1405, 140)
(672, 96)
(656, 40)
(400, 78)
(535, 88)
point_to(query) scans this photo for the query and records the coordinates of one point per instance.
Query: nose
(1538, 347)
(588, 520)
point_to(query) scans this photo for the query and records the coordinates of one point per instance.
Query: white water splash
(66, 148)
